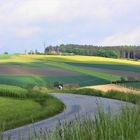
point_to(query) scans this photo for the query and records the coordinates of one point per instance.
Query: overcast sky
(26, 24)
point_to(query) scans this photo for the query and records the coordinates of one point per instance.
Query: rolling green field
(22, 81)
(123, 67)
(66, 64)
(7, 56)
(88, 80)
(19, 106)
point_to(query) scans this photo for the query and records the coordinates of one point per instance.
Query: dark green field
(81, 80)
(110, 66)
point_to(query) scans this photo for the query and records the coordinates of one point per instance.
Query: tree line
(90, 50)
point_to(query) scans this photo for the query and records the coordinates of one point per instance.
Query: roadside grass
(124, 96)
(22, 81)
(19, 106)
(123, 126)
(21, 93)
(12, 91)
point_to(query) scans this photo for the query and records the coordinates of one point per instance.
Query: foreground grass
(105, 126)
(123, 126)
(19, 106)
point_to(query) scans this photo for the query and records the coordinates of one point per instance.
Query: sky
(26, 24)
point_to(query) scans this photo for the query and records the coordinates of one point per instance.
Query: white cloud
(124, 38)
(25, 18)
(27, 31)
(63, 10)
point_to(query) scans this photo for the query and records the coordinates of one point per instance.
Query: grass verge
(19, 106)
(124, 96)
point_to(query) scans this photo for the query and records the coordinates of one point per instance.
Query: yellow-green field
(84, 70)
(83, 59)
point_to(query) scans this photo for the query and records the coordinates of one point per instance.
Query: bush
(123, 79)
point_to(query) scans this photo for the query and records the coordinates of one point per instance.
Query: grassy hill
(18, 106)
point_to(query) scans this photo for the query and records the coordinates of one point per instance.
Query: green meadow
(19, 106)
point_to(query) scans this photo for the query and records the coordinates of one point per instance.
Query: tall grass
(124, 126)
(12, 91)
(18, 92)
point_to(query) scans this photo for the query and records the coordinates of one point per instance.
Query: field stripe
(101, 75)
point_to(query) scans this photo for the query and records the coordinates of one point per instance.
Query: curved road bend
(76, 105)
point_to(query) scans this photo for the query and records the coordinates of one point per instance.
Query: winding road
(76, 105)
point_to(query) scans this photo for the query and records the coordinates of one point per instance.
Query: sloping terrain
(84, 70)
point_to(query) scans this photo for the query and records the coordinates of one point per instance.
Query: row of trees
(113, 52)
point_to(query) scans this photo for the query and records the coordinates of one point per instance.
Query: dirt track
(24, 70)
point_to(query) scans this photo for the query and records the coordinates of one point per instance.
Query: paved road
(80, 105)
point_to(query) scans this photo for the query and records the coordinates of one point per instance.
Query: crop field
(22, 80)
(24, 70)
(88, 80)
(131, 68)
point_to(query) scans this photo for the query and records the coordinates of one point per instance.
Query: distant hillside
(130, 52)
